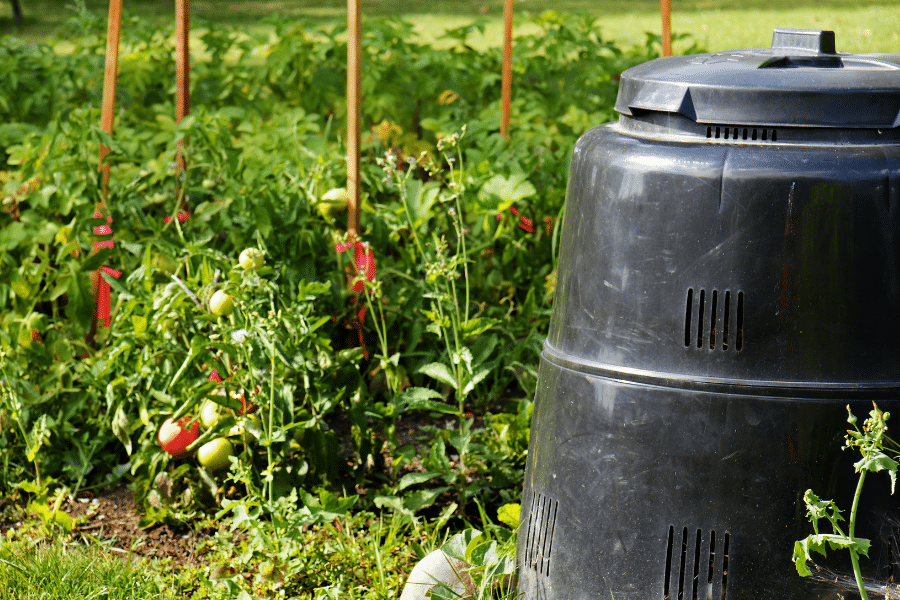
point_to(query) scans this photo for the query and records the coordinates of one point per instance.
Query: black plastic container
(729, 281)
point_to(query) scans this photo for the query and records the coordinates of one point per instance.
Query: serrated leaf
(475, 380)
(418, 398)
(440, 372)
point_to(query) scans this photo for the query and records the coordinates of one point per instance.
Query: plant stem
(269, 456)
(853, 557)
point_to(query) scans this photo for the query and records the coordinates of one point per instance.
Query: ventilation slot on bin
(719, 320)
(541, 525)
(745, 134)
(696, 567)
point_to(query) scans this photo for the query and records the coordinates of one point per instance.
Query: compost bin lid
(801, 81)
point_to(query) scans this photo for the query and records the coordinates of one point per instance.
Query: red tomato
(176, 437)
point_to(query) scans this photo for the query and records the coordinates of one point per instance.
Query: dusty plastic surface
(723, 293)
(800, 81)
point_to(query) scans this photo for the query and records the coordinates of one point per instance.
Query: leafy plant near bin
(873, 444)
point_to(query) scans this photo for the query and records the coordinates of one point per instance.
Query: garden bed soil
(114, 515)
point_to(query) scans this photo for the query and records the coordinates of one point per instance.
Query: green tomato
(251, 259)
(214, 455)
(221, 304)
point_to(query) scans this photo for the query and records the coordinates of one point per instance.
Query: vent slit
(725, 314)
(539, 536)
(709, 132)
(745, 133)
(712, 558)
(765, 134)
(725, 567)
(739, 343)
(684, 534)
(687, 318)
(549, 541)
(774, 136)
(542, 535)
(713, 317)
(668, 563)
(717, 133)
(701, 307)
(696, 566)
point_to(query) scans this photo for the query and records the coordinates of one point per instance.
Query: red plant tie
(102, 289)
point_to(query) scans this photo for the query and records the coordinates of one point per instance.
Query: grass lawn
(860, 25)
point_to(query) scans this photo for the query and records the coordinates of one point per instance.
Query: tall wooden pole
(665, 7)
(506, 91)
(182, 72)
(354, 101)
(108, 109)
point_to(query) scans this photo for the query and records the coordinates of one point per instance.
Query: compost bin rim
(785, 85)
(812, 390)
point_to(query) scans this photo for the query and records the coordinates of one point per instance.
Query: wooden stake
(506, 89)
(354, 101)
(107, 115)
(665, 7)
(182, 70)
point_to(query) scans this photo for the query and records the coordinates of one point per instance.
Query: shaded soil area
(113, 516)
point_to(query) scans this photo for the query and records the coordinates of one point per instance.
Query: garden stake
(665, 7)
(109, 80)
(182, 71)
(506, 92)
(99, 285)
(354, 100)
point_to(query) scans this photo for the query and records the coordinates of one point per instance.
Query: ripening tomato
(174, 438)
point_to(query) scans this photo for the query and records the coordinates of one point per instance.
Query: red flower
(364, 260)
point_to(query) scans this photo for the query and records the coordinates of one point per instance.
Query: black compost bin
(729, 281)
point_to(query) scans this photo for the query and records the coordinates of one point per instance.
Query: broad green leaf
(509, 515)
(414, 478)
(420, 499)
(456, 545)
(441, 372)
(508, 190)
(482, 553)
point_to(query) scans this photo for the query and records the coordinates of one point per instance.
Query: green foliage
(872, 442)
(463, 230)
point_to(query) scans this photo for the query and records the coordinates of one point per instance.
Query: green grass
(861, 26)
(56, 571)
